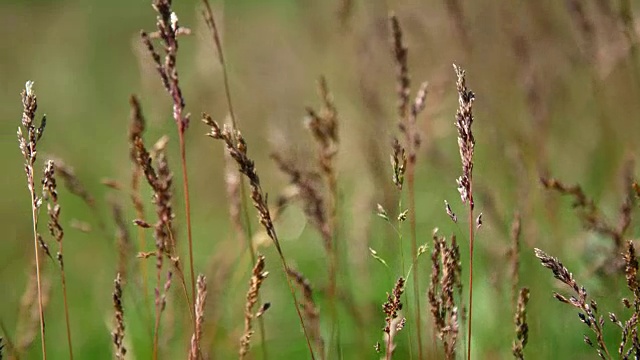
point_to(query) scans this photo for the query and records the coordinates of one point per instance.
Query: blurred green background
(553, 97)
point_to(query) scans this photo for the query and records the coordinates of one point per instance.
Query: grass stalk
(211, 23)
(237, 148)
(187, 209)
(414, 251)
(471, 238)
(28, 149)
(49, 190)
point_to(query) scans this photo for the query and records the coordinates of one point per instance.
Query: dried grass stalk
(118, 333)
(588, 308)
(391, 308)
(28, 144)
(168, 31)
(466, 146)
(49, 189)
(237, 148)
(407, 115)
(522, 328)
(195, 351)
(161, 181)
(630, 343)
(258, 277)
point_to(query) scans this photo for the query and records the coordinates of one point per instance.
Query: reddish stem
(471, 236)
(187, 207)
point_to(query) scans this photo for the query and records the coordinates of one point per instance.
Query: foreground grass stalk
(466, 145)
(49, 190)
(211, 23)
(408, 112)
(237, 148)
(28, 149)
(168, 31)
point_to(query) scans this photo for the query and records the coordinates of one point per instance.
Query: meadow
(289, 179)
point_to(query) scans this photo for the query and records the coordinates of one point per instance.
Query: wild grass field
(309, 179)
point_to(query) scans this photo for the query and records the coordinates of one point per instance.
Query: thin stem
(295, 301)
(187, 208)
(414, 250)
(471, 236)
(34, 214)
(66, 306)
(400, 238)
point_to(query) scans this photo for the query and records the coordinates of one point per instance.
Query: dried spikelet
(588, 308)
(136, 129)
(160, 181)
(237, 148)
(522, 328)
(118, 332)
(445, 282)
(398, 163)
(258, 277)
(391, 308)
(310, 309)
(630, 343)
(195, 350)
(407, 112)
(168, 31)
(53, 208)
(400, 52)
(49, 189)
(466, 141)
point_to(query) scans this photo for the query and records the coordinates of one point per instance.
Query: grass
(556, 92)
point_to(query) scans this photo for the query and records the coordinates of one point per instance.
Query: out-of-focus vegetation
(556, 95)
